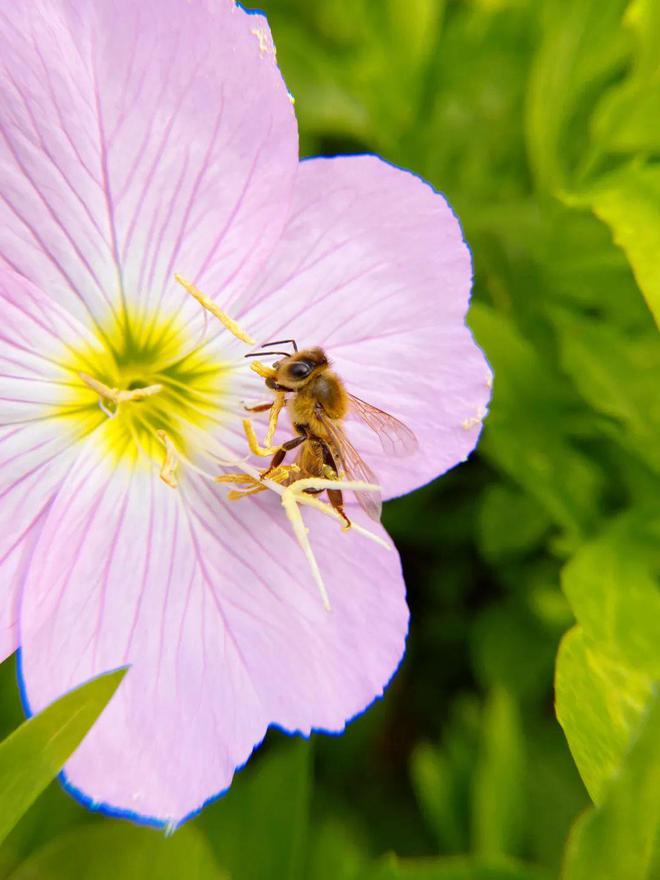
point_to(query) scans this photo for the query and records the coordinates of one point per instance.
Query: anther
(215, 310)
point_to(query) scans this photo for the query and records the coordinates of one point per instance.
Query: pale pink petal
(214, 608)
(36, 447)
(140, 139)
(372, 266)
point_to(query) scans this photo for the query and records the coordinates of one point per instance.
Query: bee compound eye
(299, 370)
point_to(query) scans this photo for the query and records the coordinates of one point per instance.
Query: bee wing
(354, 468)
(395, 437)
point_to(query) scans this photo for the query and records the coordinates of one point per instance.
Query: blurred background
(540, 122)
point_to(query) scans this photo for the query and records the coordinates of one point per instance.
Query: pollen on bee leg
(279, 475)
(171, 462)
(215, 310)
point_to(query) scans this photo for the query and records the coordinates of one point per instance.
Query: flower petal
(139, 140)
(212, 605)
(372, 266)
(36, 446)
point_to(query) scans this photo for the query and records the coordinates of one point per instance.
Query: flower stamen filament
(116, 395)
(278, 405)
(171, 462)
(210, 306)
(253, 443)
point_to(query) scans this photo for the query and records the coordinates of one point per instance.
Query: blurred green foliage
(540, 121)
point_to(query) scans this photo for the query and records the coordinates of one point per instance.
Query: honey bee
(318, 407)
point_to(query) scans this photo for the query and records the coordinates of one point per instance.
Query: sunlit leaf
(120, 850)
(612, 586)
(600, 705)
(629, 202)
(36, 752)
(620, 839)
(606, 667)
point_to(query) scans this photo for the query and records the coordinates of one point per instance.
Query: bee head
(297, 369)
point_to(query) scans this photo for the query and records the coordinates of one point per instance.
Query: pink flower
(140, 140)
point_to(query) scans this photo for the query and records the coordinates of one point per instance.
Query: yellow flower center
(183, 384)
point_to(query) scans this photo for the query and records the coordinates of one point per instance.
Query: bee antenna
(255, 354)
(281, 342)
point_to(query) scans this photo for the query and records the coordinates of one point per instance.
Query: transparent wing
(395, 437)
(352, 467)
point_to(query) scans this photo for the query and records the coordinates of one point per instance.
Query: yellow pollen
(215, 310)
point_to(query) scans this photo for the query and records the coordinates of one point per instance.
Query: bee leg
(278, 458)
(336, 498)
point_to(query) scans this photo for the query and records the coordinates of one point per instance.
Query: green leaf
(334, 853)
(358, 68)
(442, 777)
(454, 868)
(600, 705)
(525, 430)
(511, 648)
(36, 752)
(607, 666)
(434, 783)
(582, 45)
(628, 118)
(612, 586)
(120, 850)
(499, 799)
(510, 523)
(618, 376)
(629, 202)
(620, 839)
(253, 811)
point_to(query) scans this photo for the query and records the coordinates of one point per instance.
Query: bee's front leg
(261, 407)
(279, 456)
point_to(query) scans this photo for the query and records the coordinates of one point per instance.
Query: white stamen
(290, 505)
